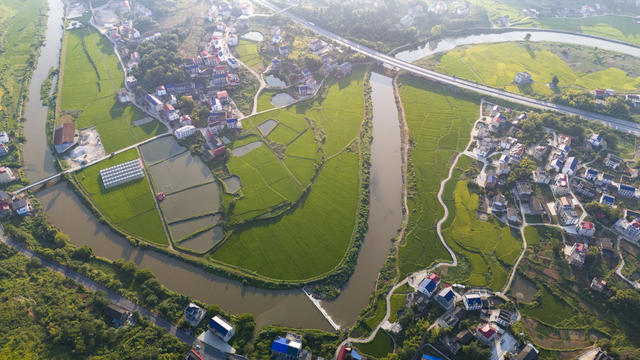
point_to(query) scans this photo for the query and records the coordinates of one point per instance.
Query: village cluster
(577, 171)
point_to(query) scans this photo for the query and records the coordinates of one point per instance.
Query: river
(385, 215)
(447, 44)
(289, 308)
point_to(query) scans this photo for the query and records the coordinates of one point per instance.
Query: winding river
(290, 308)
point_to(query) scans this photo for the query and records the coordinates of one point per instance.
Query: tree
(186, 105)
(555, 81)
(527, 37)
(521, 171)
(474, 351)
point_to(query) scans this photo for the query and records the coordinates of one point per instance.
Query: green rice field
(247, 52)
(622, 28)
(91, 91)
(439, 125)
(129, 206)
(497, 65)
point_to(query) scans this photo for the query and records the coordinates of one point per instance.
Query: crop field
(380, 346)
(92, 91)
(266, 182)
(439, 125)
(247, 52)
(278, 249)
(497, 64)
(550, 309)
(129, 206)
(264, 100)
(622, 28)
(21, 25)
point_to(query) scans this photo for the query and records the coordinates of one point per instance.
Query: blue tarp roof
(281, 346)
(429, 357)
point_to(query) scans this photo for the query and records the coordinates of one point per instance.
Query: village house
(485, 333)
(523, 78)
(153, 103)
(4, 137)
(612, 161)
(429, 285)
(633, 100)
(577, 254)
(586, 228)
(123, 96)
(499, 204)
(598, 285)
(529, 352)
(193, 314)
(317, 45)
(221, 328)
(170, 113)
(447, 297)
(565, 211)
(283, 51)
(161, 91)
(6, 175)
(523, 190)
(584, 190)
(517, 152)
(539, 152)
(604, 179)
(595, 140)
(472, 302)
(344, 69)
(5, 204)
(65, 137)
(626, 191)
(184, 132)
(560, 187)
(606, 247)
(591, 174)
(21, 206)
(541, 177)
(185, 120)
(286, 348)
(570, 166)
(556, 165)
(4, 150)
(629, 229)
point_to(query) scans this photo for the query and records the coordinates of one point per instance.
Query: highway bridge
(618, 124)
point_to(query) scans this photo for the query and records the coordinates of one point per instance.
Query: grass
(397, 304)
(21, 27)
(129, 206)
(613, 27)
(497, 64)
(536, 235)
(550, 309)
(264, 99)
(94, 97)
(378, 314)
(487, 245)
(278, 249)
(439, 125)
(266, 182)
(380, 346)
(247, 52)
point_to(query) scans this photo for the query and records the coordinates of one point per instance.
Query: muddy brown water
(290, 307)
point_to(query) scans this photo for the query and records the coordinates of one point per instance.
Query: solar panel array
(121, 173)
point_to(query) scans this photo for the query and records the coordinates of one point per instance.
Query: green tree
(555, 81)
(474, 351)
(186, 105)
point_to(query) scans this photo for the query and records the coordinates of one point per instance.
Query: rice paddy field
(129, 206)
(380, 346)
(247, 52)
(497, 65)
(91, 91)
(280, 170)
(624, 28)
(439, 124)
(487, 248)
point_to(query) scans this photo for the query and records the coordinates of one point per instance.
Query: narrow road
(115, 298)
(634, 284)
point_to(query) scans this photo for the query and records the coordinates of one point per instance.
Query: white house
(612, 161)
(161, 91)
(447, 298)
(6, 175)
(472, 302)
(631, 230)
(221, 328)
(429, 285)
(4, 137)
(486, 333)
(595, 140)
(586, 228)
(184, 132)
(591, 174)
(523, 78)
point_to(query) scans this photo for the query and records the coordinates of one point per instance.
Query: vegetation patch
(91, 78)
(439, 124)
(129, 206)
(379, 347)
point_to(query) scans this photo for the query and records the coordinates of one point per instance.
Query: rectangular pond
(192, 202)
(205, 240)
(180, 172)
(161, 149)
(182, 229)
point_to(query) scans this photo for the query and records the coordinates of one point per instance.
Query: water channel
(447, 44)
(290, 308)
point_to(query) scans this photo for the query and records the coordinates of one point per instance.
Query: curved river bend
(289, 308)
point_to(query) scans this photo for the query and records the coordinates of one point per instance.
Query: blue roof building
(429, 357)
(626, 190)
(607, 200)
(472, 302)
(285, 348)
(446, 298)
(221, 327)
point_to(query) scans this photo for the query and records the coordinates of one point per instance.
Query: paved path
(618, 124)
(634, 284)
(115, 298)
